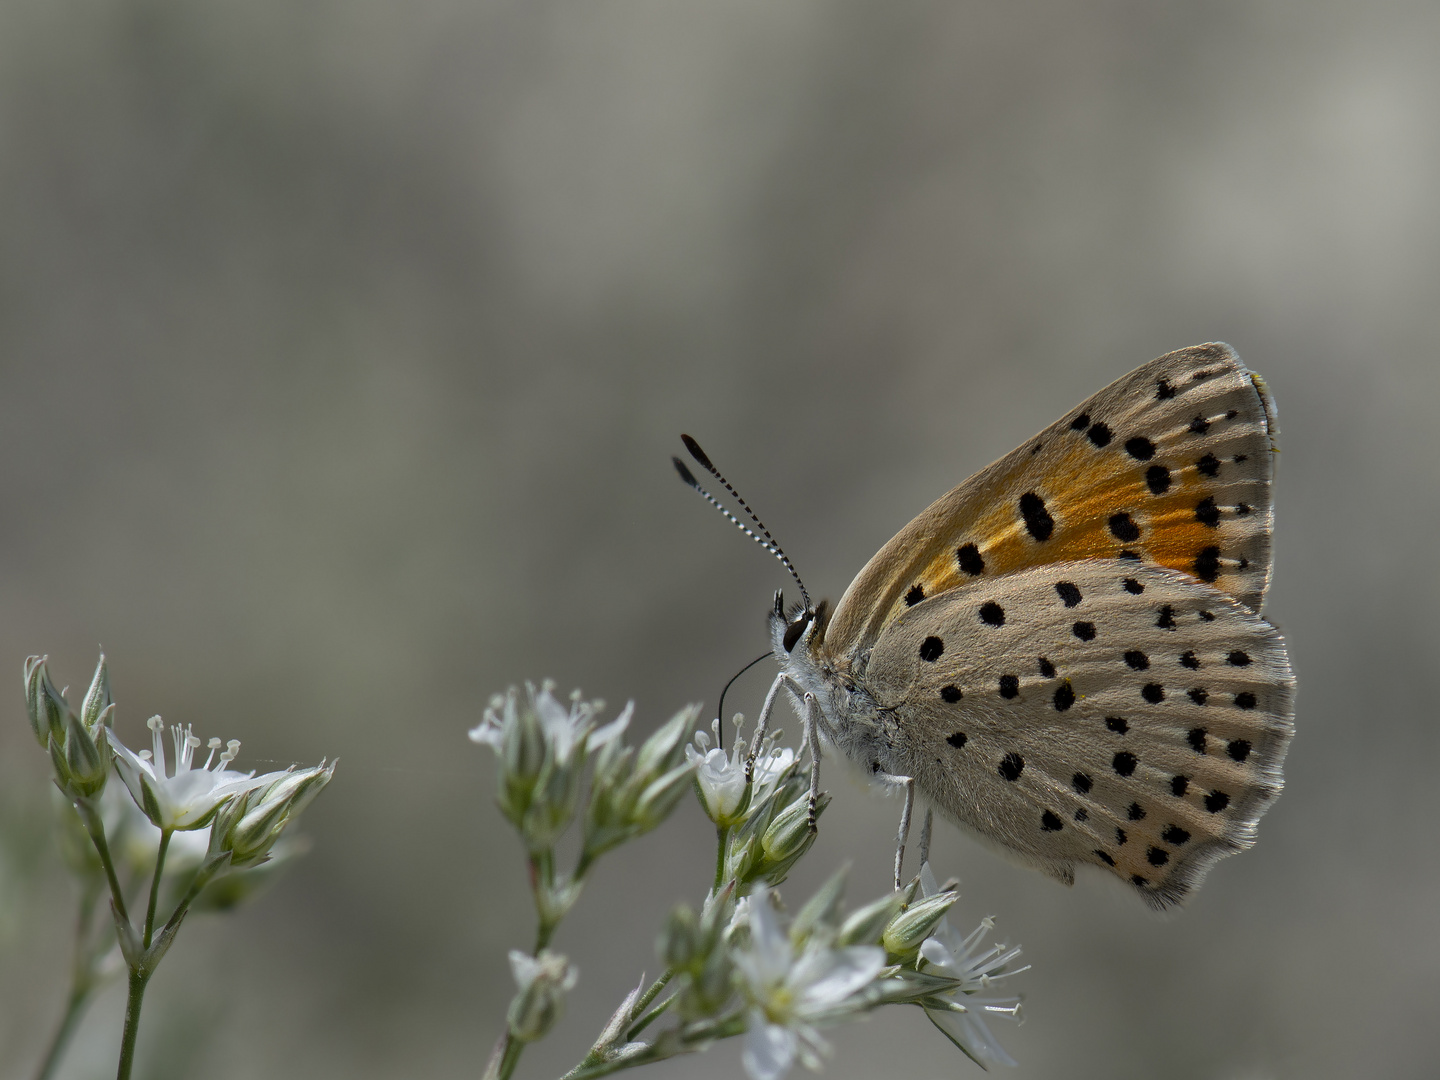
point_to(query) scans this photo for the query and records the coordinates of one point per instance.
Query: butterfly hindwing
(1170, 465)
(1101, 711)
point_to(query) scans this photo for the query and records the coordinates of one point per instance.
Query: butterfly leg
(762, 727)
(813, 719)
(904, 834)
(925, 836)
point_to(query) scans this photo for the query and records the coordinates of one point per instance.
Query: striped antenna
(768, 542)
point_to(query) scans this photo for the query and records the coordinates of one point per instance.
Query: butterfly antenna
(768, 542)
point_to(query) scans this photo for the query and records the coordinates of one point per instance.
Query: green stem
(690, 1040)
(138, 981)
(504, 1057)
(722, 834)
(96, 828)
(643, 1001)
(165, 835)
(542, 878)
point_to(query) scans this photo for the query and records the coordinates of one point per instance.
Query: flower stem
(542, 878)
(96, 828)
(722, 834)
(165, 835)
(643, 1001)
(138, 981)
(504, 1057)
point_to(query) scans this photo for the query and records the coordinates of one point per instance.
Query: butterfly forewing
(1101, 711)
(1170, 465)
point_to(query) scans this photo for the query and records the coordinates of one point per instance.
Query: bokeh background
(343, 346)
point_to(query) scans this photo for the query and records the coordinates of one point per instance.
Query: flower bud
(97, 698)
(866, 925)
(788, 837)
(902, 938)
(251, 823)
(544, 981)
(46, 706)
(82, 762)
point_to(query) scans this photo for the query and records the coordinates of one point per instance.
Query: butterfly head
(800, 624)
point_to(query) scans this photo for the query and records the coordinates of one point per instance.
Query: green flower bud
(250, 824)
(788, 838)
(543, 982)
(902, 937)
(46, 706)
(866, 925)
(97, 698)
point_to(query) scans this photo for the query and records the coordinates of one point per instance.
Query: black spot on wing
(1153, 692)
(931, 649)
(1103, 857)
(992, 614)
(1049, 822)
(1199, 695)
(1166, 620)
(1238, 658)
(1190, 660)
(1069, 592)
(1207, 513)
(1209, 465)
(1196, 739)
(1137, 659)
(1157, 856)
(1099, 434)
(1117, 724)
(1011, 766)
(1080, 423)
(1047, 669)
(1136, 812)
(1179, 785)
(1038, 521)
(1123, 528)
(1140, 448)
(1064, 696)
(1081, 783)
(1083, 630)
(1207, 565)
(957, 739)
(950, 694)
(1245, 700)
(1174, 835)
(1157, 479)
(914, 596)
(1216, 801)
(1009, 686)
(970, 560)
(1133, 587)
(1238, 749)
(1124, 763)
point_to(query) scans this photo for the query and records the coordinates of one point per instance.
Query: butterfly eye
(795, 629)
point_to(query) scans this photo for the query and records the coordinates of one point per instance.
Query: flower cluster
(120, 837)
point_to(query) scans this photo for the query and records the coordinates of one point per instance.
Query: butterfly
(1065, 654)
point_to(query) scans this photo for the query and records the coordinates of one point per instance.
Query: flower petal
(769, 1049)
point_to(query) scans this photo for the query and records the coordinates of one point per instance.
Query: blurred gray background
(343, 346)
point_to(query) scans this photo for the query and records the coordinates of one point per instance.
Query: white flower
(961, 1014)
(722, 777)
(190, 797)
(791, 991)
(561, 728)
